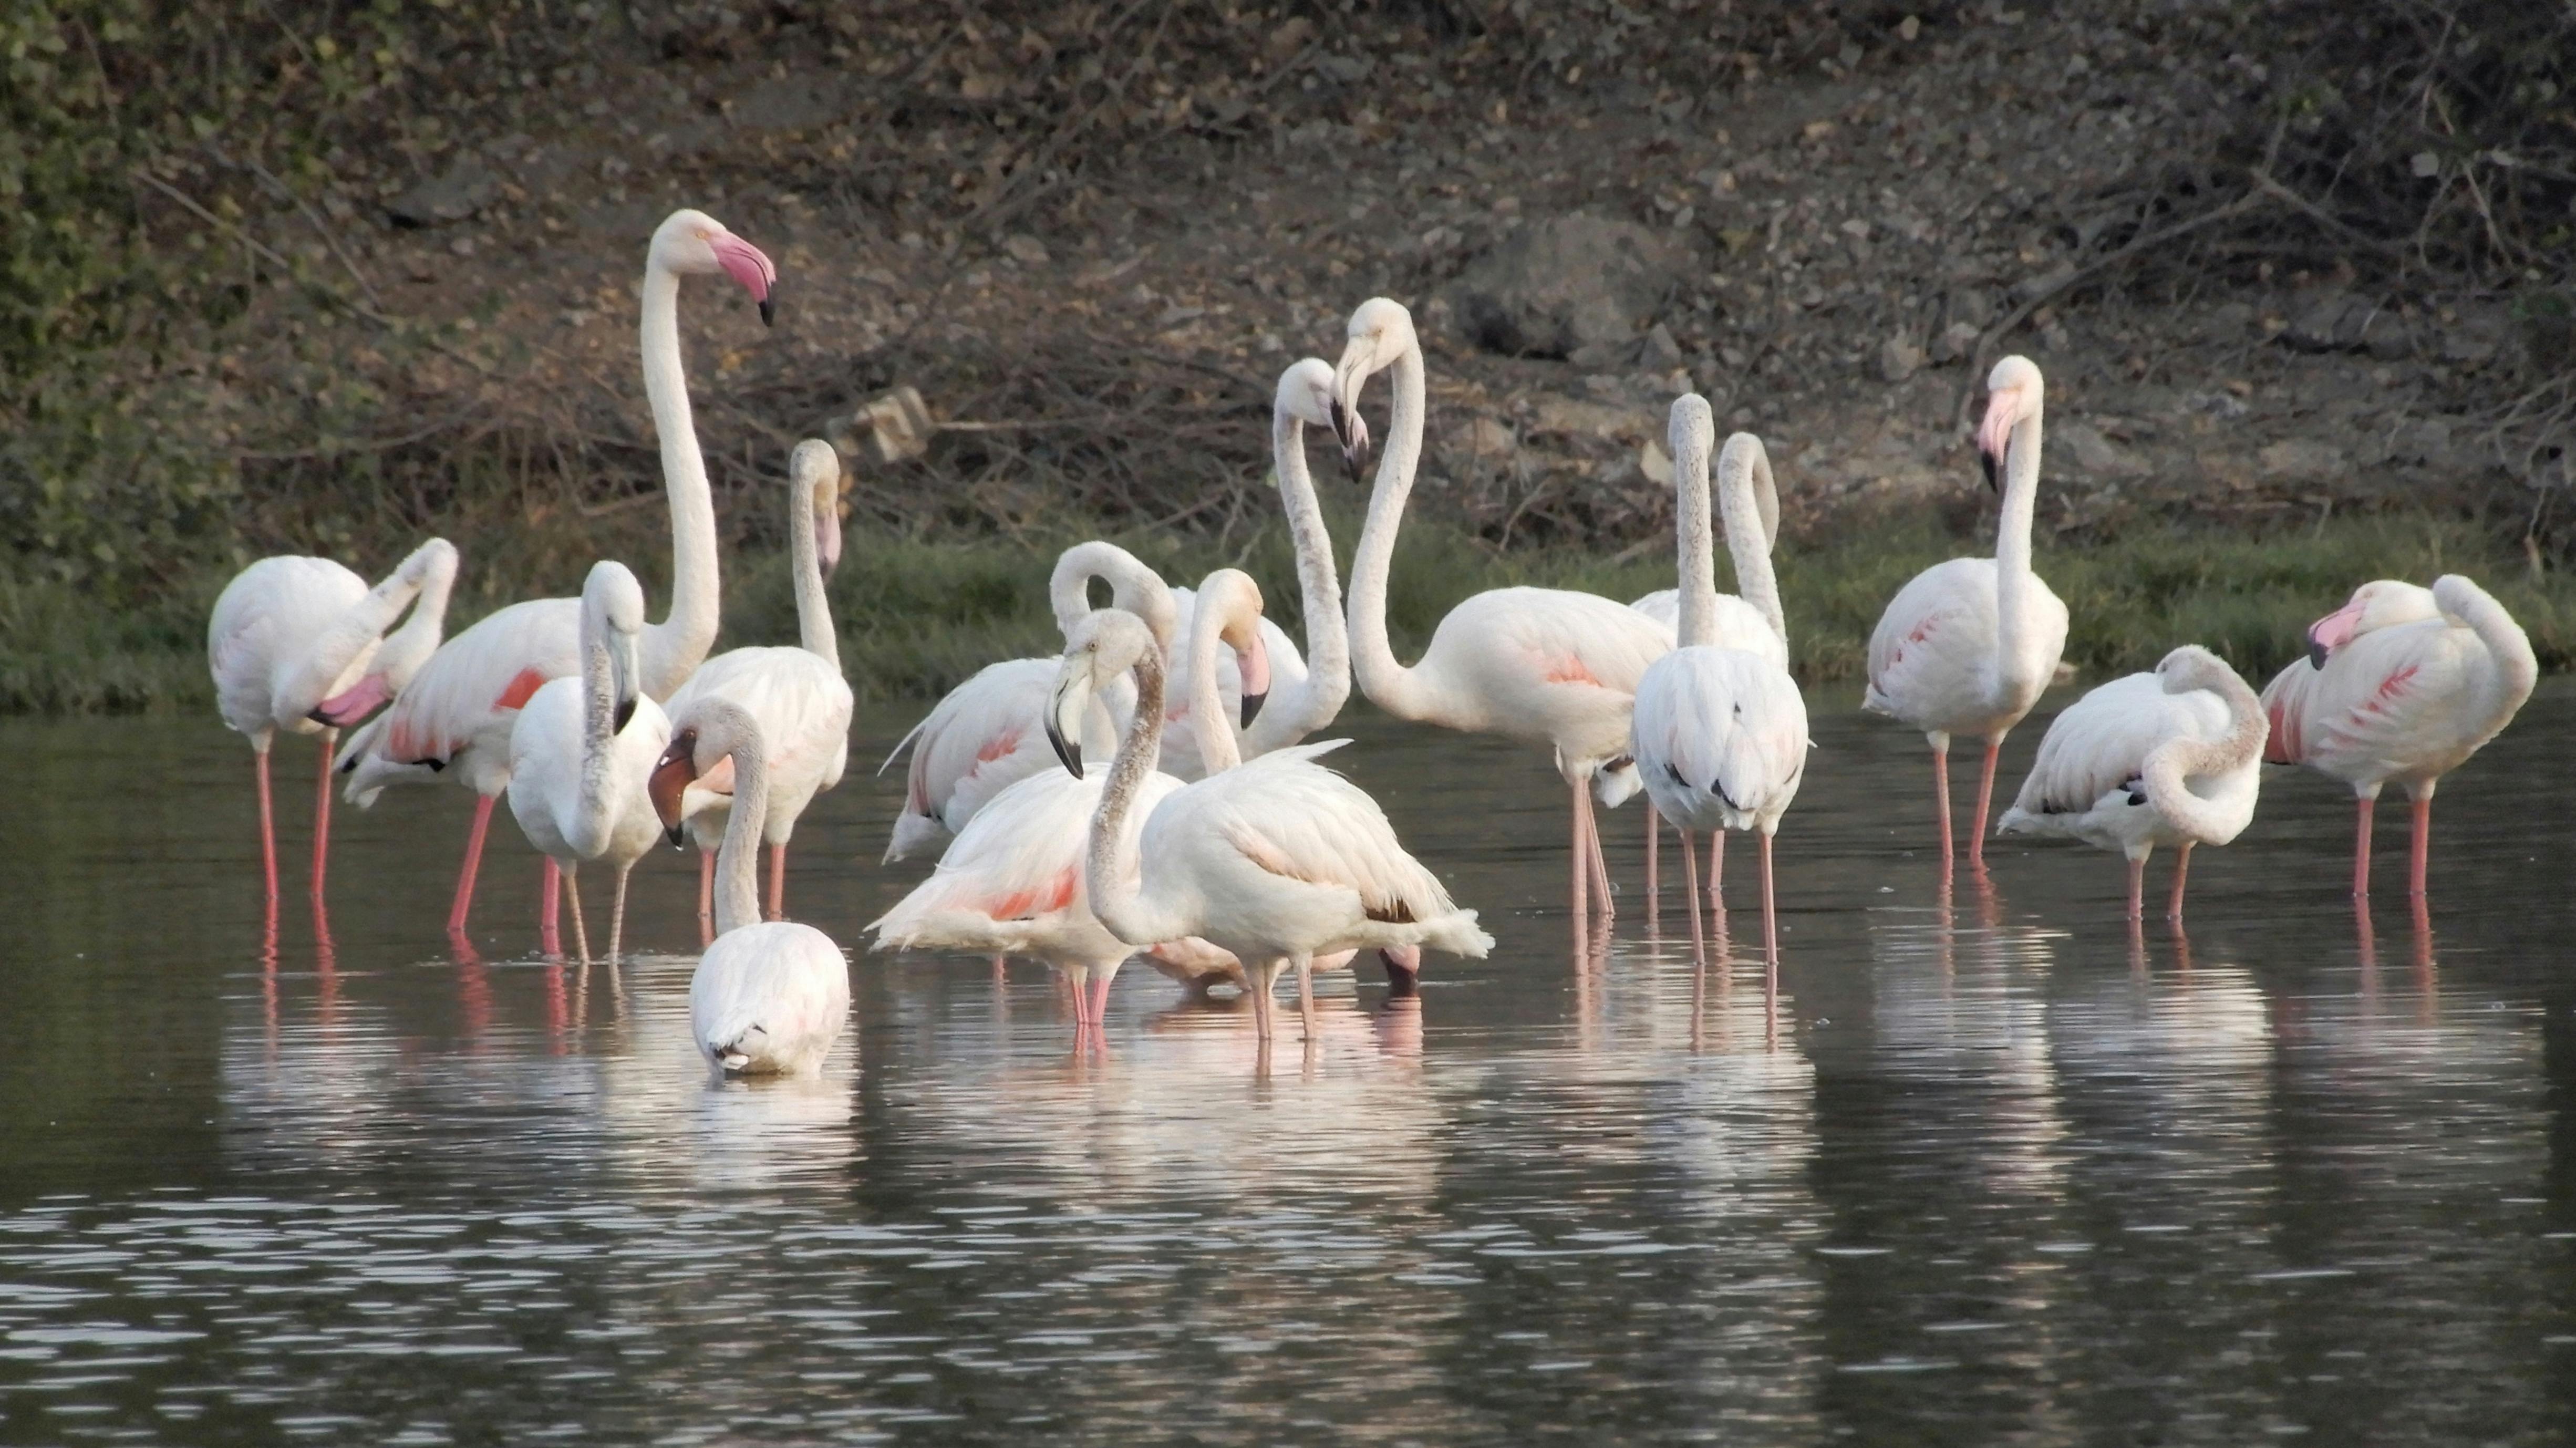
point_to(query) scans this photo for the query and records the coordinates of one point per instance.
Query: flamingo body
(1721, 738)
(2088, 782)
(455, 719)
(2409, 698)
(1544, 665)
(269, 644)
(769, 998)
(1934, 661)
(1739, 624)
(988, 734)
(803, 705)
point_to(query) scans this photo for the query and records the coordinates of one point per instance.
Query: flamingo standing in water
(581, 750)
(2174, 757)
(1721, 730)
(1544, 665)
(298, 644)
(2402, 683)
(769, 997)
(1277, 860)
(1968, 645)
(455, 719)
(798, 695)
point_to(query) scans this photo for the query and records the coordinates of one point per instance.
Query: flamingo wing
(1720, 731)
(478, 681)
(1935, 643)
(2391, 700)
(2099, 743)
(1290, 817)
(801, 702)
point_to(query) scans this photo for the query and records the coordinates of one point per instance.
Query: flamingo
(1539, 664)
(298, 644)
(2402, 683)
(769, 997)
(989, 732)
(798, 695)
(1288, 673)
(1012, 883)
(582, 747)
(1276, 860)
(2172, 757)
(1967, 646)
(1721, 730)
(1741, 623)
(455, 719)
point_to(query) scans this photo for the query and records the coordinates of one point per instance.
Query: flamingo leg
(706, 898)
(1261, 978)
(1306, 995)
(2137, 887)
(580, 934)
(1716, 867)
(1654, 886)
(1770, 927)
(267, 832)
(2361, 853)
(2420, 851)
(550, 907)
(1574, 854)
(1985, 796)
(777, 882)
(617, 912)
(1941, 797)
(1100, 994)
(1690, 880)
(1592, 850)
(322, 816)
(2182, 871)
(464, 905)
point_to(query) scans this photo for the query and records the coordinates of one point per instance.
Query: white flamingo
(2402, 683)
(581, 750)
(1287, 674)
(1721, 730)
(2173, 757)
(1968, 645)
(298, 644)
(798, 695)
(1544, 665)
(990, 732)
(769, 997)
(456, 717)
(1277, 860)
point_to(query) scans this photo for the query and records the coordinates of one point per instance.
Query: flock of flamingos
(1147, 792)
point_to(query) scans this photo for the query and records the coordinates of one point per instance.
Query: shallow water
(1990, 1174)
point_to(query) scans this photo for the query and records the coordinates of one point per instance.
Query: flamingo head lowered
(1100, 646)
(392, 665)
(2013, 395)
(692, 243)
(2380, 603)
(1381, 331)
(1232, 601)
(814, 470)
(703, 739)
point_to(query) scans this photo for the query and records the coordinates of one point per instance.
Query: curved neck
(1744, 488)
(2015, 593)
(737, 888)
(813, 606)
(1110, 865)
(410, 646)
(1388, 684)
(1132, 586)
(2517, 668)
(2169, 769)
(1218, 749)
(1318, 701)
(673, 648)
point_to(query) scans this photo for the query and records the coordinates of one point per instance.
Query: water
(1991, 1175)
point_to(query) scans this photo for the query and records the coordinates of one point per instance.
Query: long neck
(1114, 886)
(1218, 750)
(1388, 684)
(598, 742)
(1741, 490)
(673, 648)
(2169, 770)
(1698, 547)
(1319, 700)
(418, 638)
(813, 607)
(738, 858)
(2517, 669)
(2016, 591)
(1132, 586)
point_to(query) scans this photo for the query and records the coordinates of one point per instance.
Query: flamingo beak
(342, 710)
(1349, 428)
(746, 264)
(1253, 665)
(1064, 720)
(2332, 632)
(670, 780)
(1994, 434)
(827, 534)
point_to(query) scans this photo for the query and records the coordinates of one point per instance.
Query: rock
(1655, 463)
(1025, 249)
(1955, 342)
(1898, 359)
(1566, 283)
(1491, 439)
(1660, 351)
(2335, 321)
(467, 187)
(2300, 460)
(2094, 455)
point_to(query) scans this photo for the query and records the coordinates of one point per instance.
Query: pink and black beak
(1252, 665)
(1994, 435)
(2332, 632)
(1351, 431)
(827, 533)
(672, 775)
(746, 264)
(1064, 719)
(342, 710)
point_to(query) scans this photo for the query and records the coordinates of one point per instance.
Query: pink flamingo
(298, 644)
(2402, 683)
(455, 719)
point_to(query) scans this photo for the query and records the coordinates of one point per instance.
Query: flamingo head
(2380, 603)
(1690, 434)
(353, 703)
(1099, 647)
(1381, 331)
(2013, 395)
(612, 617)
(669, 782)
(1309, 394)
(2191, 667)
(1233, 602)
(693, 243)
(814, 474)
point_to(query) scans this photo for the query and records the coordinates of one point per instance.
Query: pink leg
(2137, 886)
(2420, 853)
(1985, 794)
(706, 899)
(1100, 997)
(267, 833)
(1592, 850)
(1941, 799)
(1690, 882)
(777, 882)
(550, 907)
(1770, 926)
(1576, 853)
(1654, 886)
(1716, 868)
(322, 816)
(2361, 854)
(464, 905)
(2182, 870)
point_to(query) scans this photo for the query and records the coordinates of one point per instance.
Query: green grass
(916, 616)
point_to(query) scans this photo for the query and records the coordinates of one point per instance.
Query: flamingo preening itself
(1968, 645)
(455, 719)
(769, 997)
(1546, 665)
(298, 645)
(2402, 683)
(2172, 757)
(1720, 731)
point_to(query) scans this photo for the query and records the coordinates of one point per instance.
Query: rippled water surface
(1992, 1173)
